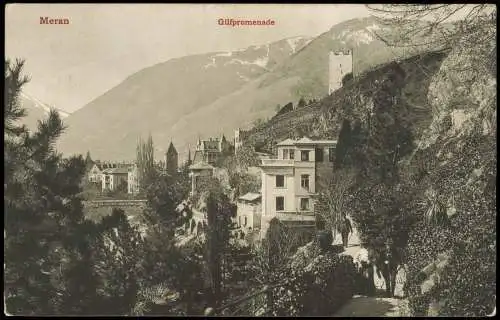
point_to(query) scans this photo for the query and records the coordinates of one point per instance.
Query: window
(304, 204)
(319, 155)
(331, 154)
(285, 153)
(245, 222)
(280, 203)
(280, 181)
(292, 154)
(304, 155)
(211, 157)
(304, 181)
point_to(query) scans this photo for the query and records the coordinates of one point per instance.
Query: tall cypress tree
(219, 214)
(145, 161)
(378, 199)
(343, 144)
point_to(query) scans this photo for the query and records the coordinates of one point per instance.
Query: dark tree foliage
(375, 152)
(47, 240)
(164, 194)
(220, 211)
(347, 79)
(145, 161)
(343, 144)
(119, 255)
(88, 161)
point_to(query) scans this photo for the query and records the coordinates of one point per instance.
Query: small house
(248, 213)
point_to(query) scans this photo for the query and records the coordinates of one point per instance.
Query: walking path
(363, 306)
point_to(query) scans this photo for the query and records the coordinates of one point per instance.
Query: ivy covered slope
(453, 260)
(354, 101)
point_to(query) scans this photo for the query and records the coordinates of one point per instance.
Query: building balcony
(277, 163)
(293, 216)
(287, 163)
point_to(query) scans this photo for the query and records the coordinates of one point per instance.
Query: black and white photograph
(250, 160)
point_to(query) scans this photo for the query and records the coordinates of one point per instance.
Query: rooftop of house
(306, 141)
(211, 143)
(251, 197)
(119, 170)
(200, 166)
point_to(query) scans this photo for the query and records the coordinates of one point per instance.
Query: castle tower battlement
(340, 63)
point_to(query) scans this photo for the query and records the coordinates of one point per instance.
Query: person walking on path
(345, 230)
(364, 261)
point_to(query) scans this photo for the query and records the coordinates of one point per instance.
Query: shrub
(467, 284)
(316, 287)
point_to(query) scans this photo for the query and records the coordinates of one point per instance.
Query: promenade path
(363, 306)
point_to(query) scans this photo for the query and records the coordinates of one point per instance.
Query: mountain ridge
(189, 97)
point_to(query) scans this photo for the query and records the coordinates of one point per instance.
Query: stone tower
(171, 159)
(340, 64)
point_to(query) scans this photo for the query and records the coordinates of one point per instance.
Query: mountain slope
(154, 99)
(185, 98)
(35, 110)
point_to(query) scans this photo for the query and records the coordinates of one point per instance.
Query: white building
(290, 181)
(95, 173)
(113, 178)
(249, 210)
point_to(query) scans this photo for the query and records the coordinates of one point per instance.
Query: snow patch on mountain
(41, 105)
(261, 62)
(359, 37)
(294, 43)
(224, 54)
(211, 64)
(373, 27)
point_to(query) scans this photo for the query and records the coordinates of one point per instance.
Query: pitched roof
(200, 166)
(325, 141)
(251, 196)
(171, 149)
(287, 142)
(198, 156)
(97, 165)
(119, 170)
(305, 140)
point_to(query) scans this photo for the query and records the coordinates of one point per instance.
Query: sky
(70, 65)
